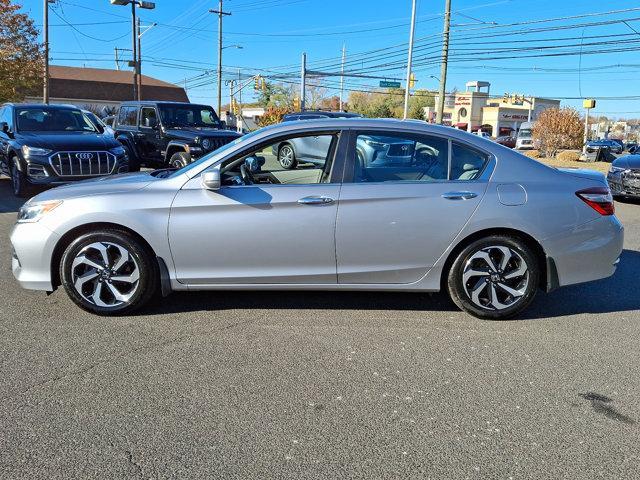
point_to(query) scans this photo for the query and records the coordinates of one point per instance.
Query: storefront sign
(515, 117)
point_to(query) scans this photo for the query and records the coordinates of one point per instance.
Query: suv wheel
(180, 159)
(18, 180)
(287, 157)
(494, 277)
(109, 272)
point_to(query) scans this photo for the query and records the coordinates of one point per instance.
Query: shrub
(568, 156)
(272, 115)
(558, 128)
(532, 153)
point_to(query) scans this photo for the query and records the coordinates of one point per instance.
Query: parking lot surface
(322, 385)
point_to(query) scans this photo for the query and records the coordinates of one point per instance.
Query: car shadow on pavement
(603, 296)
(8, 201)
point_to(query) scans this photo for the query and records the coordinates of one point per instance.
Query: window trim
(349, 170)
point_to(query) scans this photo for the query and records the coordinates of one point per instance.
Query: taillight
(598, 198)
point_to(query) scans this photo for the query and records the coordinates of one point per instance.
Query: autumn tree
(21, 55)
(558, 128)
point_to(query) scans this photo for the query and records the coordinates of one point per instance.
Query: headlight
(27, 151)
(117, 150)
(375, 144)
(206, 144)
(616, 169)
(32, 212)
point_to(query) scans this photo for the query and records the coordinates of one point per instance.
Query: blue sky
(274, 33)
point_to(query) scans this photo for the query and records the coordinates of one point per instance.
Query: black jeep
(172, 134)
(48, 145)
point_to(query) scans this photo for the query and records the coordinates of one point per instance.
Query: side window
(299, 160)
(5, 116)
(466, 163)
(148, 117)
(393, 157)
(127, 116)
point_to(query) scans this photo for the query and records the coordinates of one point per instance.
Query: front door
(397, 213)
(149, 137)
(268, 225)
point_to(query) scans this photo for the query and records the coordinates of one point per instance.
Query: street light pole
(342, 77)
(220, 14)
(406, 90)
(45, 31)
(135, 51)
(139, 63)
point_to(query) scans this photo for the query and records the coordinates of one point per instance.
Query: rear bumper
(588, 252)
(32, 247)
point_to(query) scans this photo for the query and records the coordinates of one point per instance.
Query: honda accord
(463, 214)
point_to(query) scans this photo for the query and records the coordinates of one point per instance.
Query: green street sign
(389, 84)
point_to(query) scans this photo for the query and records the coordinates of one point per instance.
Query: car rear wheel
(18, 180)
(180, 159)
(109, 272)
(495, 277)
(287, 157)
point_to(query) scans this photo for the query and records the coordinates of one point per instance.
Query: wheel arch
(14, 153)
(174, 147)
(74, 233)
(548, 272)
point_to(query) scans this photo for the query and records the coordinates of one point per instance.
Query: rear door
(395, 221)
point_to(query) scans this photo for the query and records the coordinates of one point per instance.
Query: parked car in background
(634, 149)
(524, 138)
(99, 124)
(483, 134)
(169, 133)
(629, 146)
(607, 144)
(47, 145)
(619, 142)
(624, 176)
(490, 227)
(507, 141)
(318, 114)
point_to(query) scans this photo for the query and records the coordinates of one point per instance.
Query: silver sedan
(457, 213)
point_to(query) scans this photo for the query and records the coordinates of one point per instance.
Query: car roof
(162, 102)
(42, 105)
(325, 113)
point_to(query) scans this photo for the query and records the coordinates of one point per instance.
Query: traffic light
(257, 80)
(263, 84)
(412, 80)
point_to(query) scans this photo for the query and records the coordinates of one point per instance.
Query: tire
(287, 156)
(128, 259)
(180, 159)
(134, 163)
(479, 270)
(19, 182)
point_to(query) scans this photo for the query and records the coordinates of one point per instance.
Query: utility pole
(117, 59)
(220, 14)
(303, 81)
(445, 58)
(342, 77)
(135, 51)
(45, 85)
(407, 88)
(139, 61)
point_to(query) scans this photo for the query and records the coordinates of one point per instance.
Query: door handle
(459, 195)
(315, 200)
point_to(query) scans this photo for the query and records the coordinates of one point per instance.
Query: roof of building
(98, 84)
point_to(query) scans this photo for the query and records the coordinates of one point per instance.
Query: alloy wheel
(286, 156)
(495, 277)
(105, 274)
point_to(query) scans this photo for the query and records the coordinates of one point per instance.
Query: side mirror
(4, 127)
(151, 122)
(211, 179)
(253, 163)
(100, 128)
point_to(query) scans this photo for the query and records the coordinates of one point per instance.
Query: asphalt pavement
(248, 385)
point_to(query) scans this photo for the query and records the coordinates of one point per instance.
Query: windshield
(524, 133)
(44, 119)
(188, 116)
(213, 153)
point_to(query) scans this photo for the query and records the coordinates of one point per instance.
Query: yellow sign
(589, 103)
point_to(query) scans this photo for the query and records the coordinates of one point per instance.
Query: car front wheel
(18, 180)
(109, 272)
(180, 159)
(495, 277)
(287, 157)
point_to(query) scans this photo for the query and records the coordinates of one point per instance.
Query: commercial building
(475, 109)
(99, 89)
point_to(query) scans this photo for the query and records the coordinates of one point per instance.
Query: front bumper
(32, 249)
(40, 172)
(621, 184)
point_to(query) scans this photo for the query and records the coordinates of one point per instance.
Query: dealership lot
(322, 385)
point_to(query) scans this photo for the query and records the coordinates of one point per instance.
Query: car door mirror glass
(211, 179)
(4, 127)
